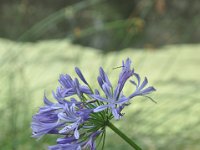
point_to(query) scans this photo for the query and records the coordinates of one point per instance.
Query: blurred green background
(39, 40)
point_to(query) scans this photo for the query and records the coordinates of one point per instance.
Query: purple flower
(91, 142)
(70, 87)
(113, 101)
(73, 144)
(66, 143)
(140, 87)
(103, 78)
(125, 74)
(116, 101)
(66, 140)
(59, 118)
(80, 122)
(46, 120)
(79, 73)
(65, 147)
(70, 115)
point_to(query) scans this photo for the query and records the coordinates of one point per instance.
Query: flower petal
(115, 113)
(99, 98)
(79, 73)
(101, 108)
(76, 133)
(46, 101)
(104, 76)
(107, 90)
(148, 90)
(122, 100)
(144, 83)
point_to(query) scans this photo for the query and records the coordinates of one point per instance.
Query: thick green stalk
(123, 136)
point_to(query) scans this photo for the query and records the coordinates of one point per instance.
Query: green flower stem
(123, 136)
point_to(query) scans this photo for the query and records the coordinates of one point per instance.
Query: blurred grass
(27, 69)
(49, 22)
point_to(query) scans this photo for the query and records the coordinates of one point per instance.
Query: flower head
(59, 118)
(79, 122)
(116, 101)
(70, 87)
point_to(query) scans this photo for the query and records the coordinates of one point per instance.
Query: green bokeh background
(32, 58)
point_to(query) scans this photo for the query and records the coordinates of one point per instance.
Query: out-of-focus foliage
(102, 24)
(27, 69)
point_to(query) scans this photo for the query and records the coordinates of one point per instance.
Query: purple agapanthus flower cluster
(80, 113)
